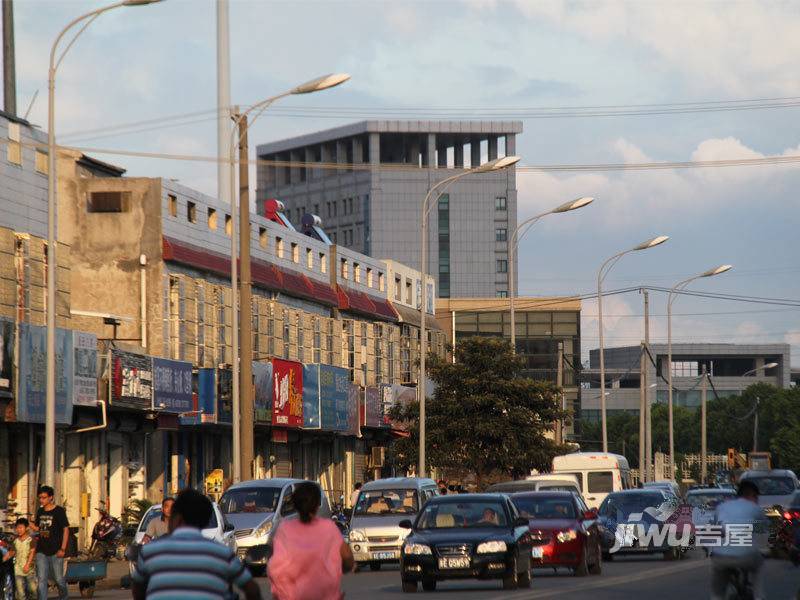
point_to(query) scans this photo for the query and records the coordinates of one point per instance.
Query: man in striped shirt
(184, 564)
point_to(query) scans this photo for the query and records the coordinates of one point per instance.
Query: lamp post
(243, 371)
(438, 188)
(513, 243)
(601, 275)
(52, 264)
(670, 299)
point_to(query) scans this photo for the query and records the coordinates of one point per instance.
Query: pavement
(648, 578)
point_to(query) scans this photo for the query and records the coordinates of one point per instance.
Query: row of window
(14, 150)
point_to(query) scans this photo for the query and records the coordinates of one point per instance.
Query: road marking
(596, 582)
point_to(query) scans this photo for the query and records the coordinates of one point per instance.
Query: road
(649, 578)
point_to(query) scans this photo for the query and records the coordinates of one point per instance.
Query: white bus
(598, 473)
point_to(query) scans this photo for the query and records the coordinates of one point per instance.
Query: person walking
(309, 553)
(184, 564)
(354, 495)
(23, 552)
(157, 528)
(53, 527)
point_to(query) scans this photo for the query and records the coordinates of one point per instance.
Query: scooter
(106, 535)
(339, 517)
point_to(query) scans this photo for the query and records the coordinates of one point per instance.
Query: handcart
(86, 573)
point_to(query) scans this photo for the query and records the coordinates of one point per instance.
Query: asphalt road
(647, 578)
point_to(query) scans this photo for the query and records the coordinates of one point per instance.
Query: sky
(137, 64)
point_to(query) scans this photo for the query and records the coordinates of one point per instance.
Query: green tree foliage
(484, 417)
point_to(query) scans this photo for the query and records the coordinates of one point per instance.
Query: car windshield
(544, 508)
(477, 513)
(250, 500)
(156, 514)
(625, 504)
(557, 487)
(709, 499)
(773, 486)
(387, 502)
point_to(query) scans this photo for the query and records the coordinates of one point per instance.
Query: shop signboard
(224, 396)
(6, 358)
(311, 396)
(334, 395)
(287, 393)
(131, 380)
(372, 406)
(354, 413)
(33, 374)
(262, 381)
(172, 385)
(85, 365)
(393, 395)
(204, 398)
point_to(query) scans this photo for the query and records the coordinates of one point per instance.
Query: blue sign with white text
(33, 374)
(172, 385)
(311, 396)
(334, 387)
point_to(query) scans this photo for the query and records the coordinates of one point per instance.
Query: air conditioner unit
(378, 456)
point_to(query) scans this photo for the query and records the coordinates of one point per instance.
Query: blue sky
(142, 63)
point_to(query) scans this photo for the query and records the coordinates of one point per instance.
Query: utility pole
(223, 103)
(755, 426)
(642, 414)
(648, 425)
(703, 427)
(9, 61)
(559, 432)
(246, 402)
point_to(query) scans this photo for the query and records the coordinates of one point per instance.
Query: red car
(565, 532)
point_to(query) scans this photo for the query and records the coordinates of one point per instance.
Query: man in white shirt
(743, 514)
(354, 495)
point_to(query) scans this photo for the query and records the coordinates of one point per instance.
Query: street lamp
(513, 243)
(52, 265)
(771, 365)
(497, 164)
(601, 275)
(670, 299)
(238, 134)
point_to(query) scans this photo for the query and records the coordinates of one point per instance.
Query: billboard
(84, 385)
(204, 398)
(172, 385)
(392, 395)
(311, 395)
(334, 396)
(131, 380)
(262, 380)
(224, 396)
(33, 374)
(373, 416)
(354, 394)
(287, 393)
(6, 358)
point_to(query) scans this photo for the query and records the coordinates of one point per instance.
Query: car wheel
(429, 585)
(510, 581)
(582, 570)
(409, 587)
(597, 567)
(374, 566)
(524, 579)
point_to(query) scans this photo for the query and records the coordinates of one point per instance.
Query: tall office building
(367, 181)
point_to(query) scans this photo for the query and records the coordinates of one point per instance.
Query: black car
(469, 536)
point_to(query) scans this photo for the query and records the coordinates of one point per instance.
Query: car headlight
(491, 547)
(357, 536)
(416, 549)
(567, 536)
(263, 529)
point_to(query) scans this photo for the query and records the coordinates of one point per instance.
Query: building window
(502, 293)
(381, 282)
(228, 225)
(345, 269)
(398, 289)
(191, 212)
(502, 265)
(14, 146)
(262, 237)
(500, 203)
(323, 263)
(501, 234)
(409, 293)
(370, 281)
(334, 208)
(41, 162)
(309, 258)
(295, 253)
(279, 247)
(172, 202)
(301, 340)
(108, 202)
(317, 358)
(286, 334)
(316, 210)
(685, 368)
(212, 218)
(328, 208)
(444, 246)
(357, 272)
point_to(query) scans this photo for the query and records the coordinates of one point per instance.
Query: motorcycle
(7, 589)
(106, 535)
(783, 540)
(339, 517)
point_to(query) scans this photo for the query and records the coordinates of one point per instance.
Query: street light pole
(513, 244)
(242, 388)
(601, 275)
(670, 299)
(52, 263)
(438, 188)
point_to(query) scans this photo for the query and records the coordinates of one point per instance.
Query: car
(565, 532)
(637, 510)
(256, 509)
(598, 473)
(219, 529)
(468, 536)
(667, 485)
(704, 502)
(375, 534)
(537, 483)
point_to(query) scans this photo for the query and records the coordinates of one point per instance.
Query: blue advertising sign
(204, 398)
(311, 397)
(355, 395)
(172, 385)
(262, 380)
(33, 374)
(224, 396)
(334, 395)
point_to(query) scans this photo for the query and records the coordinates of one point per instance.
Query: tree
(484, 417)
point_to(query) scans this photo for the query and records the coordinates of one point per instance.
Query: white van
(598, 473)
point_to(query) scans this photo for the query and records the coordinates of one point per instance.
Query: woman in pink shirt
(309, 554)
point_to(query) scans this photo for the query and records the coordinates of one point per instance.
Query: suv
(256, 509)
(375, 532)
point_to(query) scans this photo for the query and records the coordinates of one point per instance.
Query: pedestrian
(23, 552)
(355, 494)
(184, 564)
(53, 527)
(443, 487)
(157, 528)
(309, 554)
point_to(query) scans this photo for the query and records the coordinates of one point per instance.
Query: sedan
(565, 532)
(468, 536)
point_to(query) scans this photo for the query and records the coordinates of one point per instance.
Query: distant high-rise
(372, 202)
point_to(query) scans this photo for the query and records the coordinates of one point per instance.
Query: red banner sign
(287, 393)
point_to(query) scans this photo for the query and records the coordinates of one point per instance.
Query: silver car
(255, 509)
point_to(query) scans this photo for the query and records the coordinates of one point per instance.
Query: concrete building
(542, 324)
(369, 182)
(725, 363)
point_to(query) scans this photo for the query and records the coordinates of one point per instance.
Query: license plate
(383, 555)
(537, 552)
(454, 563)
